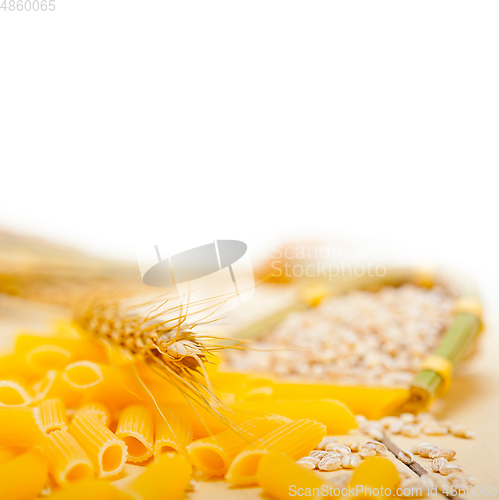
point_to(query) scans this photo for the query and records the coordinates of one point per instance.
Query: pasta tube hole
(165, 449)
(210, 459)
(78, 472)
(136, 448)
(247, 466)
(112, 458)
(12, 394)
(83, 374)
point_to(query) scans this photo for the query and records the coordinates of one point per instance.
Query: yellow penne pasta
(101, 383)
(106, 452)
(13, 394)
(20, 427)
(136, 429)
(97, 409)
(8, 453)
(167, 478)
(280, 478)
(333, 414)
(24, 476)
(53, 416)
(206, 424)
(15, 367)
(172, 433)
(78, 347)
(294, 440)
(48, 357)
(54, 386)
(90, 489)
(67, 460)
(372, 402)
(213, 455)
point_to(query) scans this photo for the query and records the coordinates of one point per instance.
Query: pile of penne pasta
(70, 421)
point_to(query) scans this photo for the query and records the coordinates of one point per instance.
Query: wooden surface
(472, 400)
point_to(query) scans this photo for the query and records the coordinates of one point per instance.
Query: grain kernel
(306, 464)
(375, 433)
(352, 443)
(407, 418)
(415, 448)
(396, 427)
(313, 460)
(317, 454)
(434, 429)
(406, 456)
(424, 451)
(409, 430)
(327, 440)
(350, 461)
(378, 447)
(461, 431)
(438, 463)
(367, 452)
(361, 420)
(330, 463)
(387, 421)
(338, 448)
(445, 470)
(443, 452)
(423, 416)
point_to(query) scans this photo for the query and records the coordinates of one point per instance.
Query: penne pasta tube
(8, 453)
(79, 348)
(136, 429)
(94, 489)
(106, 452)
(52, 416)
(172, 433)
(168, 478)
(337, 418)
(13, 394)
(24, 476)
(15, 366)
(294, 440)
(213, 455)
(101, 383)
(20, 426)
(277, 473)
(97, 409)
(47, 357)
(54, 386)
(67, 460)
(206, 424)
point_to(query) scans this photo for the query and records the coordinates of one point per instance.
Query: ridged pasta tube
(67, 460)
(106, 452)
(294, 440)
(213, 455)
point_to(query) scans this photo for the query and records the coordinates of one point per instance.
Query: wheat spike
(164, 339)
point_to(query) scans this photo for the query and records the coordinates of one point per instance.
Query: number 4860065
(28, 5)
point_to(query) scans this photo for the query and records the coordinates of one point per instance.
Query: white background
(255, 120)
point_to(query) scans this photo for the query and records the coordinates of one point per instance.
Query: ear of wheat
(164, 339)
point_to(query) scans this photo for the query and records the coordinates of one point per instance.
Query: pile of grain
(359, 338)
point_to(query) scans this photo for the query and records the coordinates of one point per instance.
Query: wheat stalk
(164, 339)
